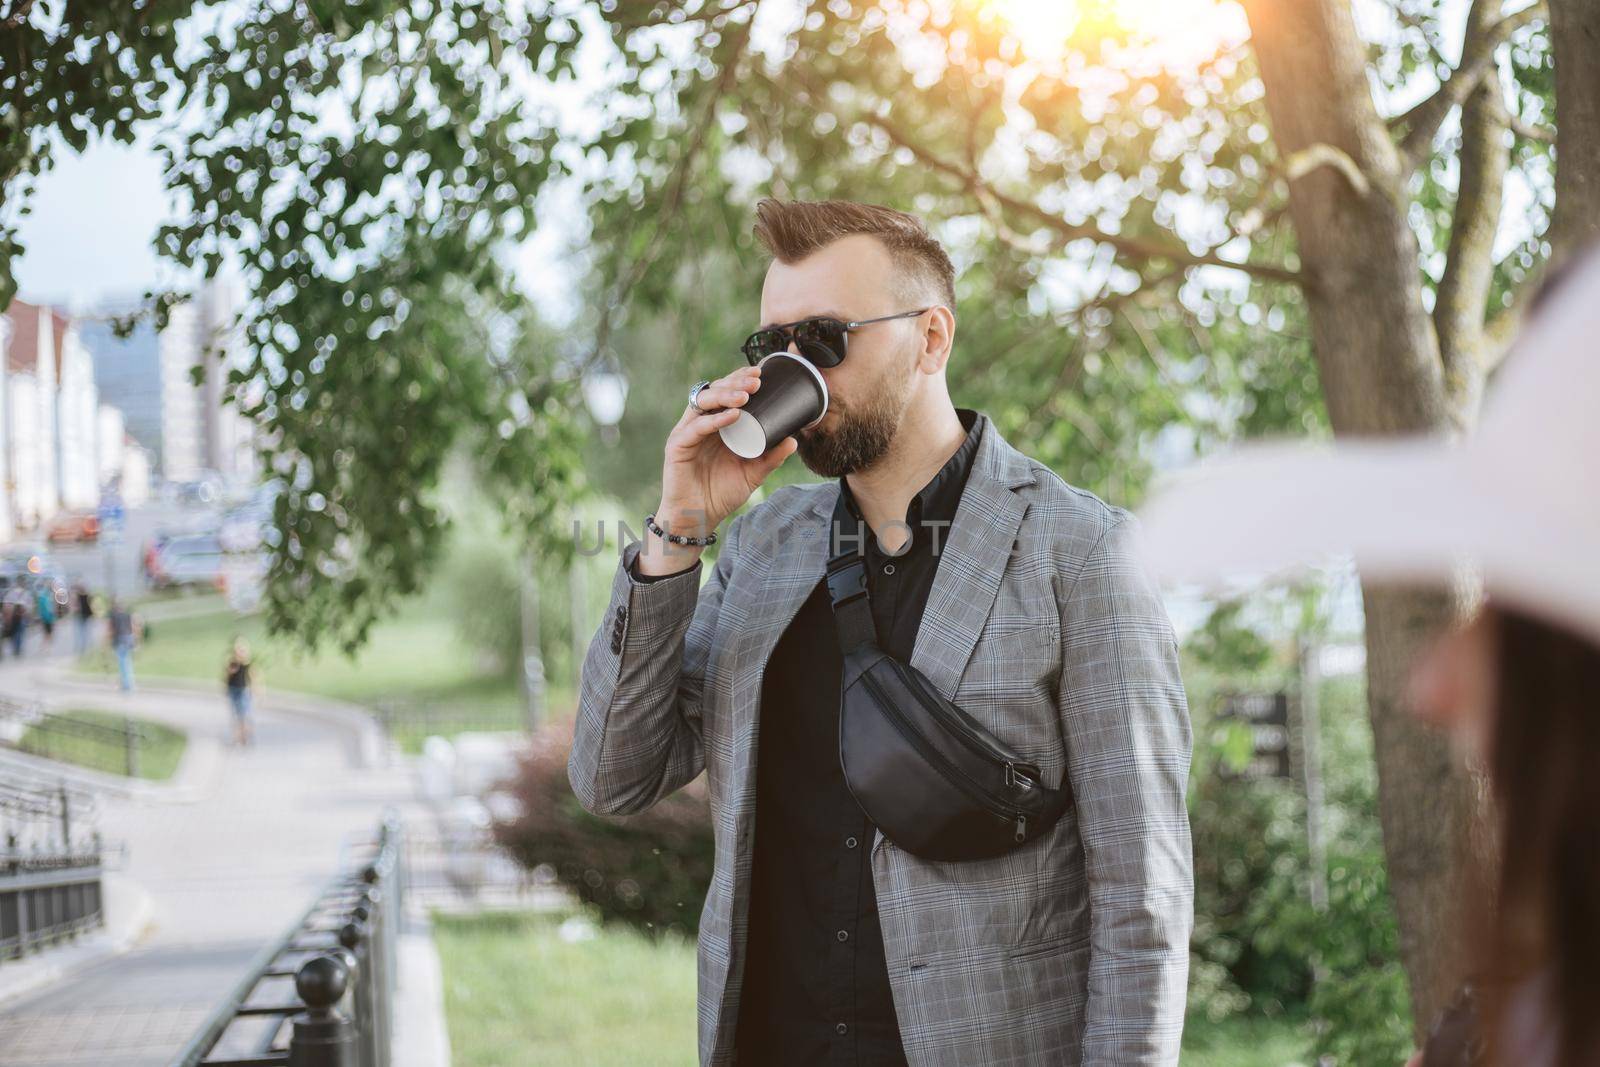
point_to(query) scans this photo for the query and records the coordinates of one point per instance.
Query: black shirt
(816, 985)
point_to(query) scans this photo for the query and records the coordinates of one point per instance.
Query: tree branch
(19, 16)
(1530, 131)
(1320, 154)
(1064, 231)
(1477, 58)
(674, 191)
(1463, 295)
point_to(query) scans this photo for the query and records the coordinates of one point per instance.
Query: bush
(1259, 947)
(650, 870)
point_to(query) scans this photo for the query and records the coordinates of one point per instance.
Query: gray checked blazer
(1071, 949)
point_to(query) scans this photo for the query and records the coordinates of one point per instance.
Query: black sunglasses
(822, 341)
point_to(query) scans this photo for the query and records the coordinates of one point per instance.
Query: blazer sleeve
(1128, 740)
(637, 736)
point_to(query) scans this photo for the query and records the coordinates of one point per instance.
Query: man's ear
(938, 338)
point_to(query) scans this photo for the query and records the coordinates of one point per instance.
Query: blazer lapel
(972, 562)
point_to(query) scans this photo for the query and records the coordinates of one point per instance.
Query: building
(77, 424)
(128, 372)
(123, 463)
(35, 334)
(199, 432)
(59, 445)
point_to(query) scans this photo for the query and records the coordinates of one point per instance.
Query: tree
(364, 166)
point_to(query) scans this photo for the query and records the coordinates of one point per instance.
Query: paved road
(225, 873)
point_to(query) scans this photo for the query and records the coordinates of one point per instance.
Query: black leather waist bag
(925, 772)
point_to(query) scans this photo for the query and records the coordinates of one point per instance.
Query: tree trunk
(1381, 374)
(1575, 37)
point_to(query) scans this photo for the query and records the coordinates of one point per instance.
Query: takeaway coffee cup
(792, 397)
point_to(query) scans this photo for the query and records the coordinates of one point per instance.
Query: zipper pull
(1022, 828)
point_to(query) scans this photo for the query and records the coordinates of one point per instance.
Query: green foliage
(369, 165)
(364, 166)
(650, 870)
(1259, 946)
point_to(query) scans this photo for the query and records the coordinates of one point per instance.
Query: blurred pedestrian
(1516, 687)
(82, 614)
(45, 611)
(237, 676)
(16, 625)
(122, 634)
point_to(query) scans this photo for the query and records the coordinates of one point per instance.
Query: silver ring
(694, 395)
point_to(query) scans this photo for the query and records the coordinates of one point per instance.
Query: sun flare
(1172, 30)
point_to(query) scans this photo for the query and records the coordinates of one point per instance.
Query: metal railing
(340, 957)
(48, 899)
(37, 732)
(50, 891)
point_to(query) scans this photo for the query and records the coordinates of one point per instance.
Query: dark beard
(860, 440)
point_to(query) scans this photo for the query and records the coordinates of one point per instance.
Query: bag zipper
(986, 746)
(952, 773)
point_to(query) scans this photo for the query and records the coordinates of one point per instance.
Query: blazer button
(622, 613)
(616, 646)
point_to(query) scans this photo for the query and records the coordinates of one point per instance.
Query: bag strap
(852, 607)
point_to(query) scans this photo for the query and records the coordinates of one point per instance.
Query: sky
(88, 238)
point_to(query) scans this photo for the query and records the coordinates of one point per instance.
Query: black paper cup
(792, 398)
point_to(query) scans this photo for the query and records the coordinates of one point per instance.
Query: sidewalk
(228, 857)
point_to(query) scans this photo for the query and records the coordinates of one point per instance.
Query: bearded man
(1019, 598)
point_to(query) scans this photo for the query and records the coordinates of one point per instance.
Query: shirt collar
(937, 501)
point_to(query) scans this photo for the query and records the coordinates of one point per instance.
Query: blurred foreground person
(1517, 687)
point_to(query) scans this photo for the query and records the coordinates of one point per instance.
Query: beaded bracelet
(678, 539)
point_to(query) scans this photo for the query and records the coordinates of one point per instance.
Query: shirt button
(850, 842)
(844, 935)
(841, 1029)
(888, 568)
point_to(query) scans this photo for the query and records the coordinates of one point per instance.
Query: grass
(158, 755)
(415, 658)
(1252, 1041)
(515, 992)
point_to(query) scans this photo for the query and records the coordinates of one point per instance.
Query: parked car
(187, 560)
(71, 527)
(246, 528)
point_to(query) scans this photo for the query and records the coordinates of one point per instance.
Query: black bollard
(352, 934)
(322, 1037)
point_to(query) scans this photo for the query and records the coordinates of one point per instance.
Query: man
(122, 632)
(82, 614)
(1019, 597)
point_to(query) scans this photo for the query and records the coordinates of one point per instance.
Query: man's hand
(702, 481)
